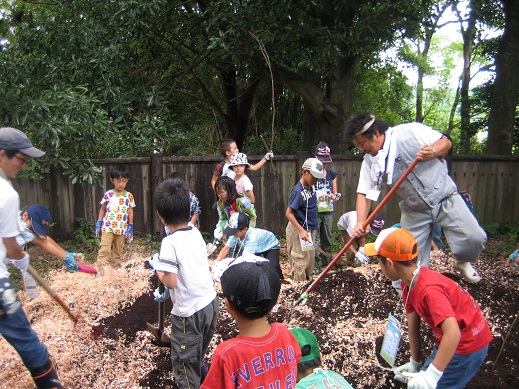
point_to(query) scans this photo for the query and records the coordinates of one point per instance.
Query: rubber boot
(46, 377)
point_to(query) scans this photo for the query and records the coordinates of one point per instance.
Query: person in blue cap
(36, 220)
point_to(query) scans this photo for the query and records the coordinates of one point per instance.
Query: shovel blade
(161, 338)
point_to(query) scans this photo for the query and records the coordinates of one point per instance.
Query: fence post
(301, 156)
(156, 178)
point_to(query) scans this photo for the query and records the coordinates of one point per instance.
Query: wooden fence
(493, 183)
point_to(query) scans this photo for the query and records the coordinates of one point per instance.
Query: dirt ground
(111, 347)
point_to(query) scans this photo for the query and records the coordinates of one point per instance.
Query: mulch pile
(110, 347)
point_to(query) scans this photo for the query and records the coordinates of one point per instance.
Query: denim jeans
(437, 236)
(15, 328)
(460, 370)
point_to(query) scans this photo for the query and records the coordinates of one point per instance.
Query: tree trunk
(468, 48)
(238, 99)
(323, 117)
(506, 87)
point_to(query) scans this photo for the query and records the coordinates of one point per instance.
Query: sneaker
(468, 273)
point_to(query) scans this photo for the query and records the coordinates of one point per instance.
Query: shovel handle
(52, 293)
(353, 239)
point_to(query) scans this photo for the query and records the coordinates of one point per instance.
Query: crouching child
(310, 375)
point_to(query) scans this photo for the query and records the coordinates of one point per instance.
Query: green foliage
(508, 234)
(383, 89)
(286, 141)
(84, 233)
(510, 231)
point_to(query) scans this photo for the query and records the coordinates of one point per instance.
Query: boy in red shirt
(461, 331)
(262, 355)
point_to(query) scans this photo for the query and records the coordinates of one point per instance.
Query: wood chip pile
(347, 311)
(85, 361)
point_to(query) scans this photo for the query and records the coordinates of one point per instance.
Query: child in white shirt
(239, 166)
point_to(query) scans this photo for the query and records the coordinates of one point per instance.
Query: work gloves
(21, 264)
(161, 297)
(99, 226)
(425, 379)
(154, 261)
(360, 257)
(409, 367)
(129, 233)
(218, 233)
(70, 262)
(269, 155)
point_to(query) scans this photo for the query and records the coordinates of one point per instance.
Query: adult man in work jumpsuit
(429, 195)
(15, 151)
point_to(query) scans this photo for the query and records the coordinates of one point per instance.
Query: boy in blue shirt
(302, 221)
(243, 238)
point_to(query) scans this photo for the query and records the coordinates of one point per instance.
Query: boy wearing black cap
(15, 151)
(302, 221)
(309, 373)
(459, 327)
(262, 354)
(243, 238)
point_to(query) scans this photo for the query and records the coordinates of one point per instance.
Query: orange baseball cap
(393, 243)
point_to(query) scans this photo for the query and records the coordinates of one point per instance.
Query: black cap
(251, 288)
(238, 221)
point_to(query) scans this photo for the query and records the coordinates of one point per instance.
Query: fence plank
(493, 183)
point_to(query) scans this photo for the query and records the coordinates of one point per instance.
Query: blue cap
(40, 219)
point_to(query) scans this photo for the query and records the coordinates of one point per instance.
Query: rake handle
(370, 218)
(52, 293)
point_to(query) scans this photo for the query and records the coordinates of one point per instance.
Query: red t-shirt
(246, 362)
(436, 297)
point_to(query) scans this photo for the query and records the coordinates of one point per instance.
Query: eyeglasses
(221, 192)
(120, 180)
(25, 161)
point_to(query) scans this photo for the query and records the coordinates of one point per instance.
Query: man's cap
(239, 159)
(251, 288)
(322, 152)
(13, 139)
(393, 243)
(308, 344)
(40, 219)
(376, 225)
(315, 167)
(238, 221)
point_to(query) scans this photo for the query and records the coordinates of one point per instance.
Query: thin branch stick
(504, 342)
(267, 60)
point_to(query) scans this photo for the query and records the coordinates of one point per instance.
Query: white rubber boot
(468, 273)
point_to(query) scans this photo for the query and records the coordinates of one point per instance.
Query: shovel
(162, 339)
(370, 218)
(52, 293)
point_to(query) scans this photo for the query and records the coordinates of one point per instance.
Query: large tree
(315, 48)
(153, 68)
(505, 93)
